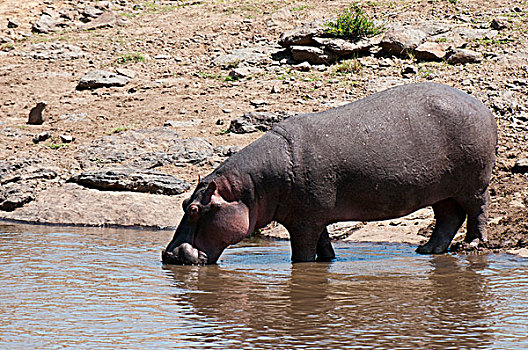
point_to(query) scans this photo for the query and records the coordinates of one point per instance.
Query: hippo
(378, 158)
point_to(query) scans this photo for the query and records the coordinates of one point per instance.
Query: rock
(126, 72)
(15, 195)
(472, 34)
(66, 138)
(244, 72)
(463, 56)
(98, 78)
(73, 204)
(91, 12)
(430, 51)
(251, 56)
(302, 36)
(499, 23)
(36, 115)
(182, 123)
(312, 55)
(409, 70)
(303, 67)
(44, 25)
(107, 19)
(505, 102)
(402, 41)
(258, 103)
(127, 179)
(344, 48)
(195, 150)
(12, 24)
(43, 136)
(55, 51)
(521, 166)
(256, 121)
(19, 180)
(226, 151)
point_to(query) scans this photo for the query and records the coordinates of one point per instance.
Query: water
(106, 289)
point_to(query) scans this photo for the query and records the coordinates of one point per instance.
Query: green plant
(347, 67)
(118, 129)
(133, 57)
(54, 145)
(453, 1)
(353, 23)
(223, 131)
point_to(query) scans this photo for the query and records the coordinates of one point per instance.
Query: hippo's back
(401, 149)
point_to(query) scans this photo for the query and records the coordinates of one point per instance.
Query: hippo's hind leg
(324, 251)
(449, 217)
(477, 209)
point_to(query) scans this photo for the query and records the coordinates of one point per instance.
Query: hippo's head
(215, 217)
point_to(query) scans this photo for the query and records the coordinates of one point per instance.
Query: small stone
(258, 103)
(310, 54)
(409, 70)
(275, 89)
(98, 78)
(126, 72)
(12, 24)
(430, 51)
(91, 12)
(463, 56)
(66, 138)
(44, 25)
(183, 111)
(36, 115)
(107, 19)
(499, 23)
(521, 166)
(244, 72)
(227, 110)
(303, 67)
(43, 136)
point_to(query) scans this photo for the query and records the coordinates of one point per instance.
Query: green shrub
(353, 23)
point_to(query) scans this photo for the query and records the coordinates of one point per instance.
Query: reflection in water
(104, 288)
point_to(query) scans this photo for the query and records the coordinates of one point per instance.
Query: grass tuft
(353, 23)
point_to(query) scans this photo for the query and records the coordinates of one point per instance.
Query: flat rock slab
(71, 204)
(55, 51)
(256, 121)
(126, 179)
(99, 78)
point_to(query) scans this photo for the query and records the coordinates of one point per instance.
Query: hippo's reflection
(444, 305)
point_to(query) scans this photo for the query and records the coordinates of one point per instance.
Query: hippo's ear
(221, 190)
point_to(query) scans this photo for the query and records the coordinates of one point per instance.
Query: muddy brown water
(106, 289)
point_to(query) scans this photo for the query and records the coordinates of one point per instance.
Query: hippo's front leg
(308, 240)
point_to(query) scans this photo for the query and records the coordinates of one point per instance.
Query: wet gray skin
(378, 158)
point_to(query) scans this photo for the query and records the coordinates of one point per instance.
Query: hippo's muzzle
(184, 254)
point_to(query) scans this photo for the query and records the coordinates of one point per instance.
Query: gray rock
(12, 24)
(90, 207)
(499, 23)
(521, 166)
(195, 150)
(98, 78)
(303, 35)
(107, 19)
(66, 138)
(127, 179)
(505, 102)
(409, 70)
(250, 56)
(463, 56)
(402, 41)
(226, 151)
(312, 55)
(20, 179)
(36, 115)
(344, 48)
(303, 67)
(244, 72)
(91, 12)
(55, 51)
(258, 103)
(472, 34)
(44, 25)
(256, 121)
(430, 51)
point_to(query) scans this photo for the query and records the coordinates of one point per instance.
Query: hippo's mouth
(184, 254)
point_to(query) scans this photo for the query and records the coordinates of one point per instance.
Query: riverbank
(141, 97)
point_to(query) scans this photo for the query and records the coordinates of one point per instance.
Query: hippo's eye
(193, 210)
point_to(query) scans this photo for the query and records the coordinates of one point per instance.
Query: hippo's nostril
(184, 254)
